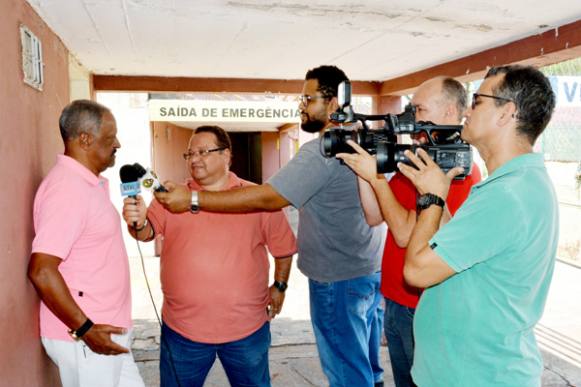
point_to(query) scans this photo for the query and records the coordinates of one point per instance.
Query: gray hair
(454, 91)
(81, 116)
(531, 92)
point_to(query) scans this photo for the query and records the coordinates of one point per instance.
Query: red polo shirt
(214, 268)
(393, 285)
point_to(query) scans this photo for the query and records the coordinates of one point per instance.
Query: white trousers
(80, 367)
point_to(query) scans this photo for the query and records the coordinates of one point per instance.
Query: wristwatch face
(426, 200)
(281, 286)
(195, 207)
(73, 334)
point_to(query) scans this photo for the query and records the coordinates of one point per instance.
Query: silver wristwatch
(195, 203)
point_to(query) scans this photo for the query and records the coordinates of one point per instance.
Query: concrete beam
(212, 85)
(553, 46)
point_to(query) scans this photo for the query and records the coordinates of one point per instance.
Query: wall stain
(354, 10)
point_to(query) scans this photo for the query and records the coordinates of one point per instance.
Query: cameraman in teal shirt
(488, 269)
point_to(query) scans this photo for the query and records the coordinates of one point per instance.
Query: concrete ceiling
(371, 40)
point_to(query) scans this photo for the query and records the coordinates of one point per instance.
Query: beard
(313, 125)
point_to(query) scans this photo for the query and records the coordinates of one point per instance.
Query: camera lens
(335, 141)
(327, 144)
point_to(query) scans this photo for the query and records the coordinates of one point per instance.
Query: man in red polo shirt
(214, 274)
(442, 101)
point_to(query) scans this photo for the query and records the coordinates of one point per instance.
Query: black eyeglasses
(476, 95)
(306, 99)
(202, 153)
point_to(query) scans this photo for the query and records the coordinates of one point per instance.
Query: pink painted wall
(29, 142)
(290, 143)
(270, 154)
(169, 142)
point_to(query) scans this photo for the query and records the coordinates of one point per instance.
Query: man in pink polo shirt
(79, 265)
(214, 274)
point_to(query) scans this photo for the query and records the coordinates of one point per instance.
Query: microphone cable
(161, 342)
(130, 176)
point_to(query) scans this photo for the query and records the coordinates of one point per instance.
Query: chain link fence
(561, 140)
(561, 144)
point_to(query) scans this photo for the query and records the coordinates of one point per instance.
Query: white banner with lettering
(223, 111)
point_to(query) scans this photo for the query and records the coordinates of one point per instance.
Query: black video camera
(444, 145)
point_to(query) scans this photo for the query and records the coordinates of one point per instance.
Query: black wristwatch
(77, 334)
(426, 200)
(281, 286)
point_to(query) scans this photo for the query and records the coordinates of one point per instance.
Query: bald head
(441, 100)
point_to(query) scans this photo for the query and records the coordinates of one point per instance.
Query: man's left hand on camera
(362, 163)
(427, 176)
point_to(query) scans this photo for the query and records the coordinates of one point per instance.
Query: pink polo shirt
(75, 220)
(214, 268)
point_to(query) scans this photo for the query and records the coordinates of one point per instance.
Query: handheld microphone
(130, 186)
(130, 175)
(134, 176)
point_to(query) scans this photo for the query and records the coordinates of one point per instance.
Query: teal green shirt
(476, 328)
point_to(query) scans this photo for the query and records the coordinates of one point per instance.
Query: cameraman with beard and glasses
(338, 251)
(441, 100)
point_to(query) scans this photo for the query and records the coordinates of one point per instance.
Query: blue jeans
(245, 361)
(399, 331)
(342, 314)
(375, 344)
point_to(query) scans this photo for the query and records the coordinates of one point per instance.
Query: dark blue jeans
(375, 344)
(399, 331)
(245, 361)
(342, 314)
